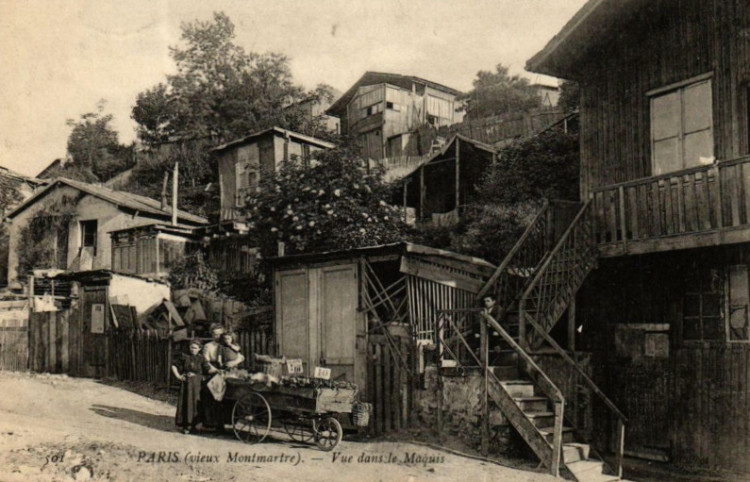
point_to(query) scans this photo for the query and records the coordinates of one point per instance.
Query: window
(681, 126)
(88, 234)
(392, 106)
(702, 307)
(374, 109)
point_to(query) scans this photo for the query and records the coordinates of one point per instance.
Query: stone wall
(463, 406)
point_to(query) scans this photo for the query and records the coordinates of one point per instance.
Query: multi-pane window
(702, 307)
(374, 109)
(681, 127)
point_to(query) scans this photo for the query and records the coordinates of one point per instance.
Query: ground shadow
(150, 420)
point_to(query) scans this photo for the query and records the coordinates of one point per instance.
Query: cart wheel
(251, 418)
(297, 432)
(328, 433)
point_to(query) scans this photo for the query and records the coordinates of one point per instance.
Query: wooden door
(292, 319)
(337, 319)
(95, 325)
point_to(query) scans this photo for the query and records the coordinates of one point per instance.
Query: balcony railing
(700, 206)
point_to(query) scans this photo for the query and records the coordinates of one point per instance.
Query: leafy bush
(334, 203)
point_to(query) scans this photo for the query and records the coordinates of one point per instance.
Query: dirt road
(58, 428)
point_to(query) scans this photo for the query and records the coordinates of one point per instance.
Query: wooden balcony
(696, 207)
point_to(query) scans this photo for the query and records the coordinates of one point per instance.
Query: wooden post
(458, 174)
(406, 190)
(421, 192)
(174, 193)
(557, 438)
(718, 195)
(572, 324)
(623, 218)
(484, 358)
(620, 446)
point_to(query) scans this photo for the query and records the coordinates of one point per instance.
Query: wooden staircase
(534, 285)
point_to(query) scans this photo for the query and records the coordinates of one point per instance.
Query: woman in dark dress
(189, 369)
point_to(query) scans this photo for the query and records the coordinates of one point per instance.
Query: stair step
(509, 372)
(589, 471)
(574, 452)
(532, 403)
(541, 419)
(518, 388)
(549, 434)
(596, 477)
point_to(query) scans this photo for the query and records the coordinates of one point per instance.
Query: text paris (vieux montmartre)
(173, 457)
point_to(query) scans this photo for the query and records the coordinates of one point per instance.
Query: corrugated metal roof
(120, 198)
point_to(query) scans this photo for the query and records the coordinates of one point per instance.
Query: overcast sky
(59, 57)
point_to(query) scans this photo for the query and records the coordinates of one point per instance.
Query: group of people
(196, 403)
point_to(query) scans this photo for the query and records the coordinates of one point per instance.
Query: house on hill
(242, 163)
(82, 241)
(383, 110)
(665, 173)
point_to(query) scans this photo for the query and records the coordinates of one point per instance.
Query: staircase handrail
(622, 419)
(551, 389)
(548, 387)
(541, 272)
(512, 253)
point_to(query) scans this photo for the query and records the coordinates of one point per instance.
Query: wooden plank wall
(712, 397)
(670, 42)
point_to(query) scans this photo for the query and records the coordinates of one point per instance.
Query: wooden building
(150, 250)
(445, 182)
(242, 162)
(360, 312)
(383, 110)
(85, 244)
(79, 340)
(665, 177)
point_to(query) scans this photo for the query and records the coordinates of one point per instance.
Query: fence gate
(14, 339)
(388, 382)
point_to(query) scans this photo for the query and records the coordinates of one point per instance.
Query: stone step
(518, 388)
(574, 452)
(532, 404)
(549, 434)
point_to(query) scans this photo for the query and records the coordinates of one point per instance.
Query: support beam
(458, 173)
(422, 192)
(572, 324)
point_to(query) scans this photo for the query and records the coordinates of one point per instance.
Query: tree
(219, 92)
(497, 92)
(570, 96)
(332, 204)
(543, 166)
(93, 148)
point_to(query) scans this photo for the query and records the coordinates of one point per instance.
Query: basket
(361, 414)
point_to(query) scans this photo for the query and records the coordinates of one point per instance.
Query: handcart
(306, 414)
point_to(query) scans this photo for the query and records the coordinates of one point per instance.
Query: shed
(360, 312)
(79, 338)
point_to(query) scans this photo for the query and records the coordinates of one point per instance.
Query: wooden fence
(14, 330)
(55, 342)
(140, 355)
(388, 384)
